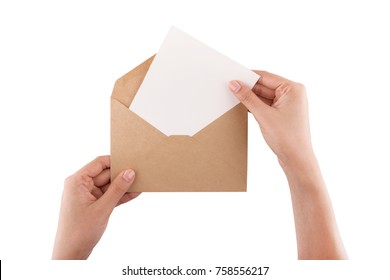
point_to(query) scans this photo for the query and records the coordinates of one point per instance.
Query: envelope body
(214, 159)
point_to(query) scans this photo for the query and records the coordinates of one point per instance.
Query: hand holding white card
(186, 88)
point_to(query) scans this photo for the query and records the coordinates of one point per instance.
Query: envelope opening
(179, 137)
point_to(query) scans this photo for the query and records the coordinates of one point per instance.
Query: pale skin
(280, 108)
(88, 200)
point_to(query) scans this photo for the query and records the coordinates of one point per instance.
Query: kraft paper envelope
(175, 122)
(214, 159)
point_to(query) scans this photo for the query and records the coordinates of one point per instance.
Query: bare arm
(280, 108)
(315, 224)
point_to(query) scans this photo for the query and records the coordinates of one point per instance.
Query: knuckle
(118, 190)
(80, 180)
(99, 158)
(118, 187)
(244, 95)
(68, 181)
(300, 87)
(283, 88)
(288, 86)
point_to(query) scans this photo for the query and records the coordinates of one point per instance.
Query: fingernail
(234, 86)
(128, 175)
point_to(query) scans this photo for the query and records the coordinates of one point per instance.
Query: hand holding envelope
(175, 123)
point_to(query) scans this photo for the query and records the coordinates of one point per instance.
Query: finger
(270, 80)
(117, 189)
(105, 187)
(103, 178)
(247, 97)
(267, 101)
(127, 197)
(96, 166)
(96, 192)
(263, 91)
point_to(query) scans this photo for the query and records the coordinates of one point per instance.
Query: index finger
(96, 166)
(270, 80)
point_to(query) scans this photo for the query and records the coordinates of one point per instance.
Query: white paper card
(186, 87)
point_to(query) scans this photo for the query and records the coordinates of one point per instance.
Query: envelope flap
(126, 124)
(127, 86)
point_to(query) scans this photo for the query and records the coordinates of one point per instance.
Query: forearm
(316, 229)
(71, 247)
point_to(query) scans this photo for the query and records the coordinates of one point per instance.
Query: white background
(58, 64)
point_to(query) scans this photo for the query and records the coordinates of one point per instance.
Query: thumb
(117, 189)
(248, 98)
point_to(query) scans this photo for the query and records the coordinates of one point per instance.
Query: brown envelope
(214, 159)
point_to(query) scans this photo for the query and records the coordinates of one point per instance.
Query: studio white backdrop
(58, 64)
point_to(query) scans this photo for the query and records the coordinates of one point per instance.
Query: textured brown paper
(214, 159)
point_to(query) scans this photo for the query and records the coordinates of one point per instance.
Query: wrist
(68, 254)
(70, 248)
(303, 172)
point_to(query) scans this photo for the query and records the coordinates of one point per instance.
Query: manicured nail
(128, 175)
(234, 86)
